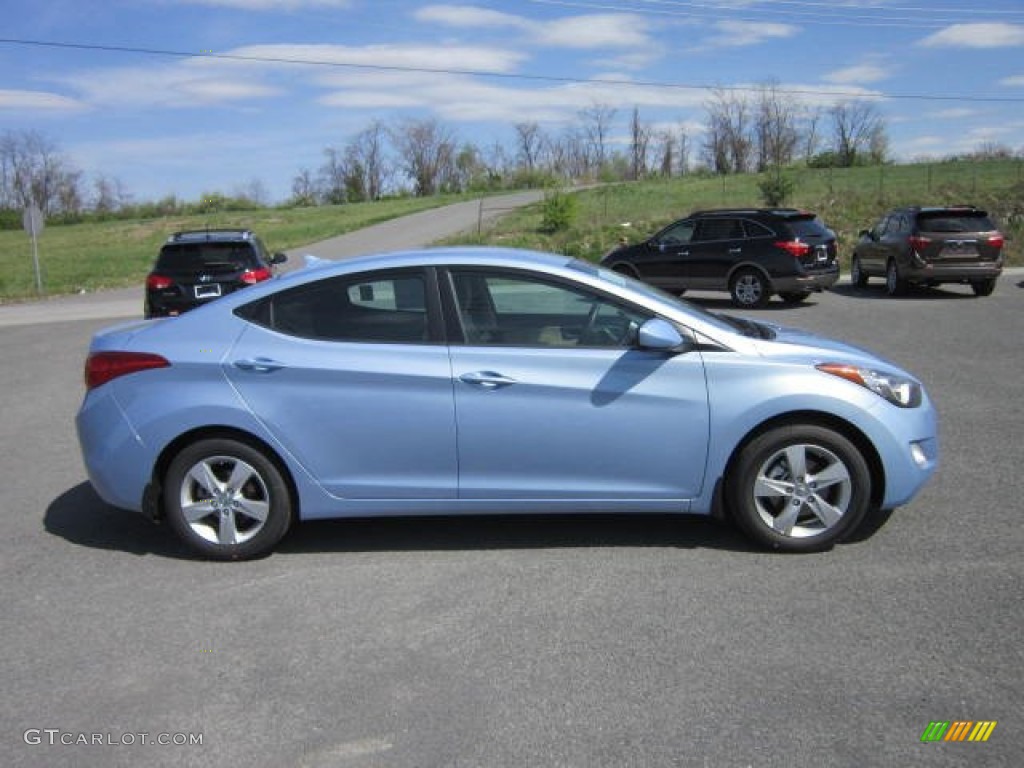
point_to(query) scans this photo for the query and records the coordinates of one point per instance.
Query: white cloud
(469, 16)
(991, 35)
(586, 31)
(38, 101)
(1016, 81)
(736, 34)
(437, 57)
(272, 5)
(860, 73)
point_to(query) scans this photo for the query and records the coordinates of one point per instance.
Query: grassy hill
(97, 255)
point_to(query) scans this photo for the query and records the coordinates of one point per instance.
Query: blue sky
(946, 76)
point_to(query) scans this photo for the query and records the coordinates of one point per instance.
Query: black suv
(751, 253)
(197, 266)
(929, 246)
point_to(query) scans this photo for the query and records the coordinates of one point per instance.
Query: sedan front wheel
(799, 488)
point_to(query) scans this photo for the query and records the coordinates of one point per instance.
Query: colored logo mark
(958, 730)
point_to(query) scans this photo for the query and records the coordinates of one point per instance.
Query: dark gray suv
(750, 252)
(930, 246)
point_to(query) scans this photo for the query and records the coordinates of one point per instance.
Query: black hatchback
(198, 266)
(751, 252)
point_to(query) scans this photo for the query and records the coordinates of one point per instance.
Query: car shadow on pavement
(81, 517)
(919, 292)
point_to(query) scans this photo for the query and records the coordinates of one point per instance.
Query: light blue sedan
(474, 381)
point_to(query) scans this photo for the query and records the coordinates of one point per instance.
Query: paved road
(414, 231)
(527, 642)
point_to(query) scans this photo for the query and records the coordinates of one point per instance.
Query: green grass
(849, 200)
(111, 254)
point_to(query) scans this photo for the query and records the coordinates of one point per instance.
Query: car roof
(779, 212)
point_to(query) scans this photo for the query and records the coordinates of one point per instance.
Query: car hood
(798, 345)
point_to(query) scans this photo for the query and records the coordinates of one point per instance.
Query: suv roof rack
(210, 234)
(773, 211)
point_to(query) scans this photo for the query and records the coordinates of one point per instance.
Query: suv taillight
(253, 276)
(795, 248)
(997, 241)
(101, 367)
(158, 282)
(919, 243)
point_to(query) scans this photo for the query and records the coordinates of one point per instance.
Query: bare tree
(812, 136)
(366, 156)
(332, 177)
(109, 194)
(529, 144)
(427, 152)
(728, 144)
(853, 125)
(33, 170)
(597, 123)
(640, 140)
(304, 188)
(684, 151)
(666, 152)
(775, 128)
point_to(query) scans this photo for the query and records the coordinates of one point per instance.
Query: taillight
(102, 367)
(996, 241)
(919, 243)
(795, 248)
(158, 282)
(253, 276)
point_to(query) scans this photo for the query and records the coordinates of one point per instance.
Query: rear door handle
(258, 365)
(735, 250)
(486, 379)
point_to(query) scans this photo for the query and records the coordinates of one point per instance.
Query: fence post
(480, 218)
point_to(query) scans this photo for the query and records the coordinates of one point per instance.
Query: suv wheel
(857, 276)
(749, 289)
(984, 287)
(894, 284)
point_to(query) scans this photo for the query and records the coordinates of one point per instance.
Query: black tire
(895, 285)
(984, 287)
(249, 486)
(794, 297)
(626, 269)
(788, 509)
(857, 276)
(749, 289)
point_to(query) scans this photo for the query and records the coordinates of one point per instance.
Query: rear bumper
(953, 273)
(818, 281)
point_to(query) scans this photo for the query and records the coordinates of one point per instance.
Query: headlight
(898, 390)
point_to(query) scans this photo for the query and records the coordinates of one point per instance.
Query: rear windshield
(200, 255)
(954, 221)
(812, 227)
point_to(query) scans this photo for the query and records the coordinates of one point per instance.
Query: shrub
(558, 211)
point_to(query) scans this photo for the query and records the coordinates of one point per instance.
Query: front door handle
(258, 365)
(486, 379)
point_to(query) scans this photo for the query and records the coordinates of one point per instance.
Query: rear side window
(719, 229)
(954, 221)
(368, 308)
(808, 228)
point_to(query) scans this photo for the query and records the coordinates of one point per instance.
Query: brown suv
(929, 246)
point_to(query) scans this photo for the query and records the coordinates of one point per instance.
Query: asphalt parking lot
(568, 641)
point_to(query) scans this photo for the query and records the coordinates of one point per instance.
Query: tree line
(744, 131)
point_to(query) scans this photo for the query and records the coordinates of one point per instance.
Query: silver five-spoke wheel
(799, 488)
(227, 499)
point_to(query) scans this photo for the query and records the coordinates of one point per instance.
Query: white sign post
(32, 220)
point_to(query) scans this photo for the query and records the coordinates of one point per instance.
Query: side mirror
(867, 233)
(279, 258)
(658, 334)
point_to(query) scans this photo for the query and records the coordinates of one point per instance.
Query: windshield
(725, 322)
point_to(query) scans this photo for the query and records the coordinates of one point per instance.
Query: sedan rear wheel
(799, 488)
(226, 499)
(749, 289)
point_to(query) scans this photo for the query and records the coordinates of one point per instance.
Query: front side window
(375, 308)
(679, 233)
(513, 310)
